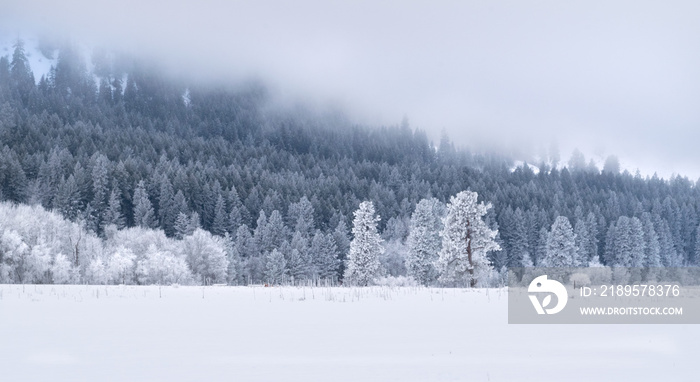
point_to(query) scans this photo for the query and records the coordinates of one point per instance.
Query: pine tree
(635, 257)
(182, 226)
(234, 260)
(275, 232)
(610, 252)
(669, 255)
(362, 264)
(561, 245)
(652, 255)
(324, 255)
(143, 209)
(541, 250)
(424, 240)
(582, 243)
(342, 242)
(100, 183)
(275, 266)
(220, 224)
(301, 217)
(519, 251)
(167, 207)
(67, 200)
(21, 76)
(466, 241)
(113, 214)
(298, 257)
(592, 243)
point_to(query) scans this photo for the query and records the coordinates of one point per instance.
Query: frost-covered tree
(561, 245)
(182, 226)
(582, 241)
(206, 256)
(652, 255)
(234, 260)
(519, 254)
(424, 240)
(298, 257)
(541, 250)
(120, 266)
(274, 233)
(113, 214)
(100, 183)
(275, 267)
(393, 260)
(61, 270)
(301, 217)
(167, 208)
(96, 272)
(625, 242)
(220, 224)
(162, 267)
(13, 254)
(342, 242)
(362, 264)
(466, 242)
(324, 255)
(670, 257)
(143, 209)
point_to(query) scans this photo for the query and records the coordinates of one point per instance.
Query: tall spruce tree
(424, 240)
(561, 245)
(143, 209)
(362, 265)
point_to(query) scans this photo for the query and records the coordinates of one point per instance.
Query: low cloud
(615, 77)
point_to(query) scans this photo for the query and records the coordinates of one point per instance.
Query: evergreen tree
(669, 256)
(582, 241)
(466, 241)
(275, 266)
(561, 245)
(298, 258)
(143, 209)
(21, 76)
(301, 217)
(168, 207)
(342, 243)
(324, 255)
(182, 226)
(652, 255)
(67, 200)
(220, 224)
(113, 214)
(424, 240)
(519, 254)
(362, 264)
(100, 186)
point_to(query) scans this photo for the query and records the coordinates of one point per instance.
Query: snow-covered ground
(130, 333)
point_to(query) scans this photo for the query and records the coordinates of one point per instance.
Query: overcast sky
(616, 77)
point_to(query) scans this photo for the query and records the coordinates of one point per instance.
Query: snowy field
(130, 333)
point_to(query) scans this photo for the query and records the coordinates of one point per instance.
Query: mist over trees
(262, 194)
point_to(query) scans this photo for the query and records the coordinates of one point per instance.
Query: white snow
(41, 66)
(518, 163)
(134, 333)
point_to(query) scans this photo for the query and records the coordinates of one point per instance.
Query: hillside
(96, 145)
